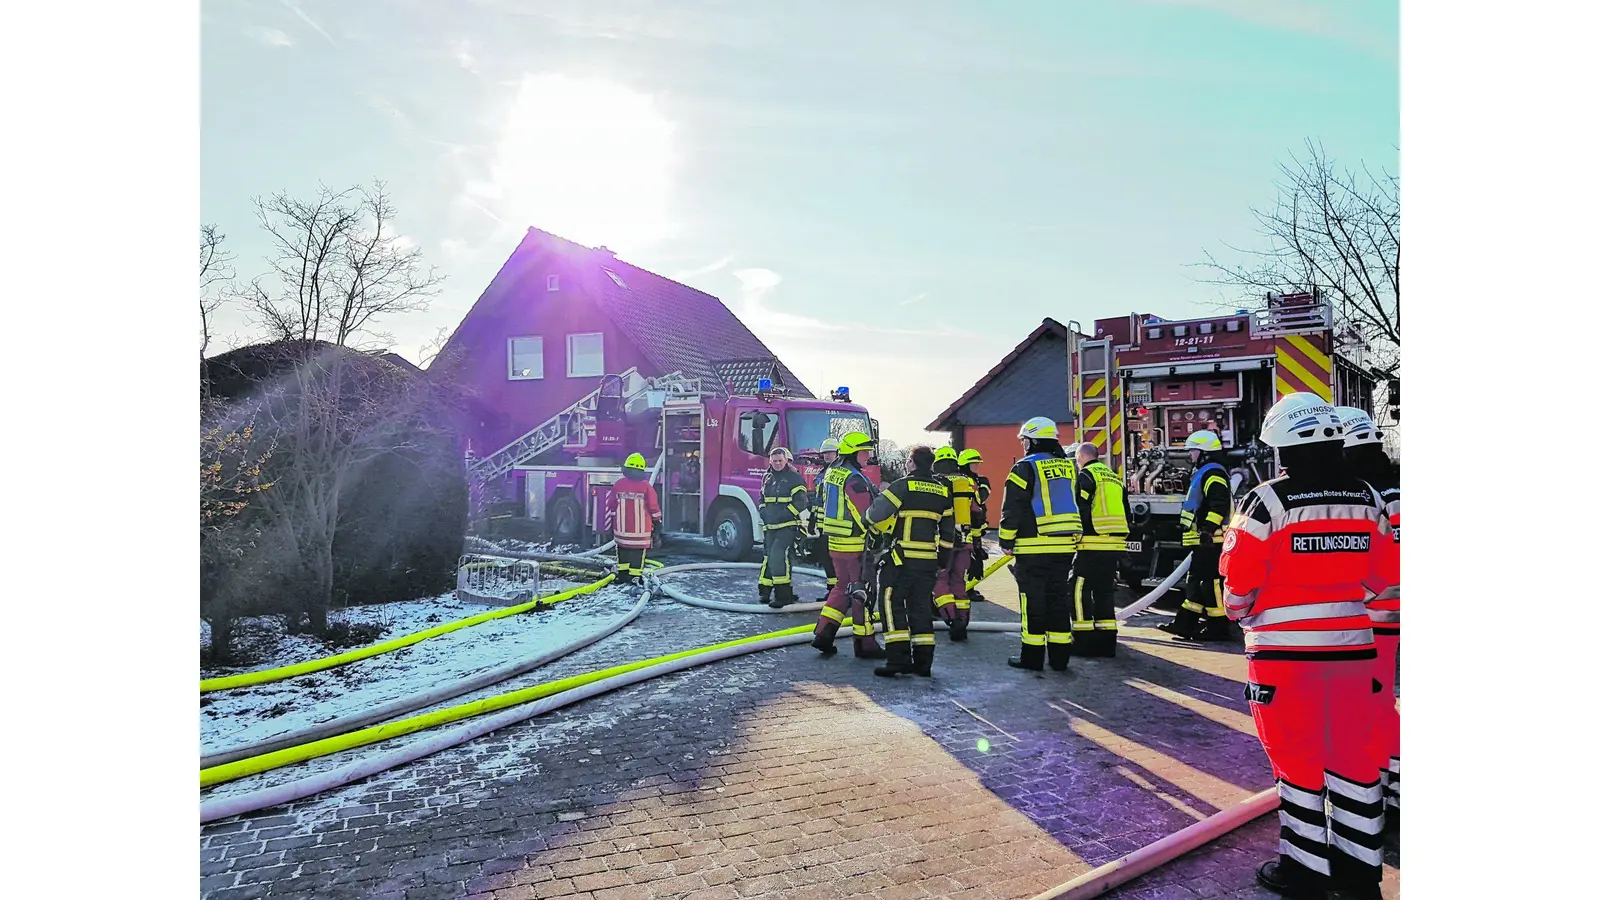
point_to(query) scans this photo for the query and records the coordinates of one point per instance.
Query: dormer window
(552, 283)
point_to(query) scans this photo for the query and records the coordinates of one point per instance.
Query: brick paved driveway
(785, 775)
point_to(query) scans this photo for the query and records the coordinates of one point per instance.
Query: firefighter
(1366, 460)
(633, 515)
(1040, 526)
(916, 514)
(980, 519)
(1103, 503)
(845, 496)
(783, 498)
(950, 590)
(819, 544)
(1204, 515)
(1300, 556)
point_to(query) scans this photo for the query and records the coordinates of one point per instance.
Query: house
(559, 315)
(1031, 380)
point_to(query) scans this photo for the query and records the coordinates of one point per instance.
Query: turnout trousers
(825, 560)
(776, 581)
(950, 592)
(852, 594)
(630, 564)
(1094, 607)
(907, 602)
(1044, 581)
(1202, 615)
(1315, 720)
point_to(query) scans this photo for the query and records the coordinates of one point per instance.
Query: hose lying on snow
(726, 606)
(551, 696)
(1120, 871)
(1156, 593)
(245, 679)
(420, 700)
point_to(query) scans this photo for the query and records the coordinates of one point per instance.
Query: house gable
(1032, 380)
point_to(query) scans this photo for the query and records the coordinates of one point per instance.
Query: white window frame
(552, 283)
(511, 358)
(572, 356)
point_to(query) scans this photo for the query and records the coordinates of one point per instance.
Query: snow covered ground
(666, 626)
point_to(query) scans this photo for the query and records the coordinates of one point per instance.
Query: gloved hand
(657, 536)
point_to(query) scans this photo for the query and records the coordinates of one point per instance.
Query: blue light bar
(764, 384)
(843, 390)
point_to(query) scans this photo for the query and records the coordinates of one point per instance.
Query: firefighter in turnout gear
(950, 590)
(819, 543)
(633, 515)
(1040, 526)
(916, 515)
(1204, 517)
(1301, 556)
(783, 498)
(1366, 460)
(980, 519)
(1103, 505)
(845, 496)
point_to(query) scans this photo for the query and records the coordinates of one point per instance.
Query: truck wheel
(730, 533)
(566, 520)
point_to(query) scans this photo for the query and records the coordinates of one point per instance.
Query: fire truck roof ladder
(1096, 383)
(551, 432)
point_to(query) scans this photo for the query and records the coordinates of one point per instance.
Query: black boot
(782, 595)
(891, 669)
(922, 660)
(958, 630)
(1290, 879)
(1032, 659)
(1181, 626)
(1355, 880)
(867, 648)
(975, 596)
(1216, 628)
(765, 593)
(1060, 655)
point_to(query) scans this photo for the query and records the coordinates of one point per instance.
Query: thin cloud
(1293, 16)
(308, 20)
(271, 37)
(917, 299)
(461, 50)
(717, 266)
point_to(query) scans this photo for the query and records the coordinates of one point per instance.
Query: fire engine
(1143, 384)
(707, 453)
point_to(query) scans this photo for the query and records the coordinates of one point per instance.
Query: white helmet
(1038, 427)
(1301, 418)
(830, 444)
(1358, 426)
(1204, 439)
(1072, 449)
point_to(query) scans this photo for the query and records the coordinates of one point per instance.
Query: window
(758, 432)
(808, 428)
(1152, 333)
(586, 357)
(552, 283)
(1180, 331)
(525, 358)
(615, 277)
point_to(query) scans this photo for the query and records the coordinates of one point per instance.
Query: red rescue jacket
(631, 508)
(1299, 560)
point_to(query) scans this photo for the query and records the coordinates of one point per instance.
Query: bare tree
(339, 263)
(1336, 230)
(216, 278)
(433, 347)
(233, 460)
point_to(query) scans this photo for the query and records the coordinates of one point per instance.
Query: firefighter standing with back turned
(1366, 459)
(1102, 503)
(980, 520)
(1205, 512)
(1040, 527)
(819, 541)
(846, 494)
(633, 513)
(950, 590)
(1301, 555)
(915, 512)
(783, 498)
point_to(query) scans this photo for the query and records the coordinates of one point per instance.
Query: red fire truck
(1143, 384)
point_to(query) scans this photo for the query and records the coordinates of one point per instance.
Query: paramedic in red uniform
(1298, 561)
(633, 513)
(1364, 455)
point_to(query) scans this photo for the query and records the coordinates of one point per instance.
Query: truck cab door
(755, 431)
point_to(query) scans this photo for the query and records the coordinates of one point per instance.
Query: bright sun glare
(588, 160)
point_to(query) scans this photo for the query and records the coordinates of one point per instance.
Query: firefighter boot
(1182, 625)
(782, 595)
(1032, 659)
(898, 661)
(1216, 628)
(765, 593)
(823, 639)
(975, 595)
(958, 628)
(922, 660)
(1292, 880)
(1060, 655)
(867, 648)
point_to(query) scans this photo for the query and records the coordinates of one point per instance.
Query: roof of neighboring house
(677, 328)
(743, 376)
(1050, 396)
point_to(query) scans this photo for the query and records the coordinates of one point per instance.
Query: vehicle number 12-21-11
(1192, 341)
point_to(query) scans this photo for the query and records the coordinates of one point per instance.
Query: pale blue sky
(901, 167)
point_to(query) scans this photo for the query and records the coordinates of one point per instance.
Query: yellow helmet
(1204, 439)
(969, 456)
(635, 461)
(944, 453)
(855, 442)
(1038, 427)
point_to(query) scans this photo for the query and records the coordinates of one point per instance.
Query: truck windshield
(808, 428)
